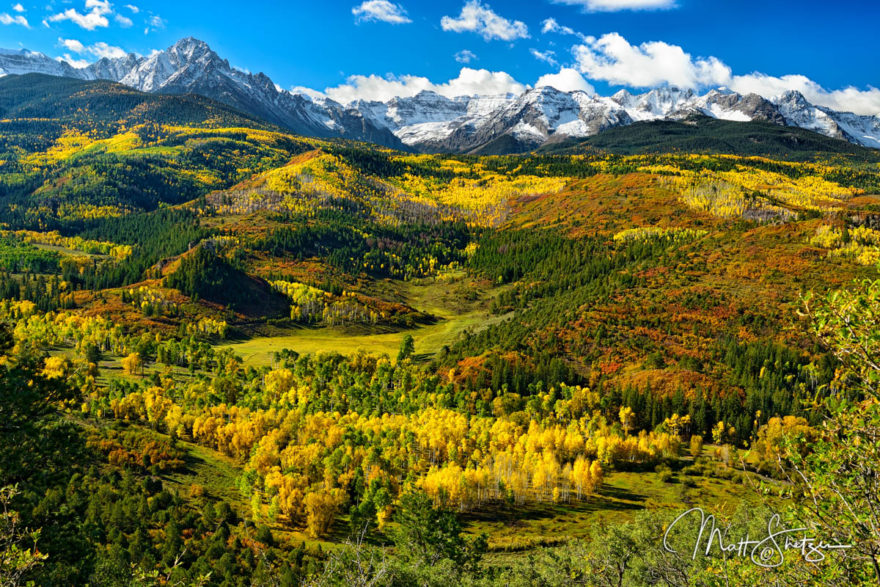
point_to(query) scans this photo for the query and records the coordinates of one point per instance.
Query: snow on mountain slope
(190, 66)
(22, 61)
(424, 107)
(432, 122)
(416, 134)
(113, 69)
(798, 112)
(864, 130)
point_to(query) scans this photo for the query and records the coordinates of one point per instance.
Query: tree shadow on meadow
(609, 499)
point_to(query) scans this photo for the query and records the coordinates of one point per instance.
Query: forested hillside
(230, 355)
(701, 134)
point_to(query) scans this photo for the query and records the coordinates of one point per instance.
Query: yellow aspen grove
(278, 382)
(132, 364)
(675, 423)
(55, 367)
(696, 445)
(581, 477)
(321, 507)
(627, 419)
(596, 475)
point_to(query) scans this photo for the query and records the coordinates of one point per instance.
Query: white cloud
(548, 57)
(154, 23)
(96, 16)
(465, 56)
(613, 59)
(380, 11)
(468, 83)
(7, 19)
(76, 63)
(72, 45)
(18, 8)
(478, 18)
(134, 9)
(102, 49)
(308, 92)
(99, 50)
(123, 21)
(617, 5)
(567, 80)
(550, 25)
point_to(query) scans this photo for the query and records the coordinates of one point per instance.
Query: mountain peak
(430, 121)
(623, 97)
(191, 42)
(192, 49)
(546, 90)
(670, 91)
(22, 61)
(427, 94)
(722, 91)
(794, 98)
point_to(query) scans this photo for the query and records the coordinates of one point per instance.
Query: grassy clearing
(216, 473)
(448, 300)
(67, 251)
(258, 351)
(514, 530)
(458, 304)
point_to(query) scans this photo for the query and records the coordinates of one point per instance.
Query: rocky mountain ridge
(430, 122)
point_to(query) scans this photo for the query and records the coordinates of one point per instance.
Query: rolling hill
(241, 354)
(94, 103)
(701, 134)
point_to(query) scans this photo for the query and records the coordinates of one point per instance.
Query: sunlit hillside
(239, 352)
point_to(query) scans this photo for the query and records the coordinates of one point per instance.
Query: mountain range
(429, 122)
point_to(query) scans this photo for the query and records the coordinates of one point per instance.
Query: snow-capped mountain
(430, 122)
(545, 114)
(190, 66)
(14, 62)
(863, 130)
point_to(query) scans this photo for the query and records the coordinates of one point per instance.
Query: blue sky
(610, 43)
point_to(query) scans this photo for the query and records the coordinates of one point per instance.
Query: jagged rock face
(529, 120)
(797, 111)
(660, 103)
(732, 106)
(191, 67)
(424, 107)
(430, 122)
(548, 115)
(758, 108)
(113, 69)
(863, 130)
(24, 61)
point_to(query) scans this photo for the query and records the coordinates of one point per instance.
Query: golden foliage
(859, 243)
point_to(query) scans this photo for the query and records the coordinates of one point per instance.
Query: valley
(443, 298)
(246, 355)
